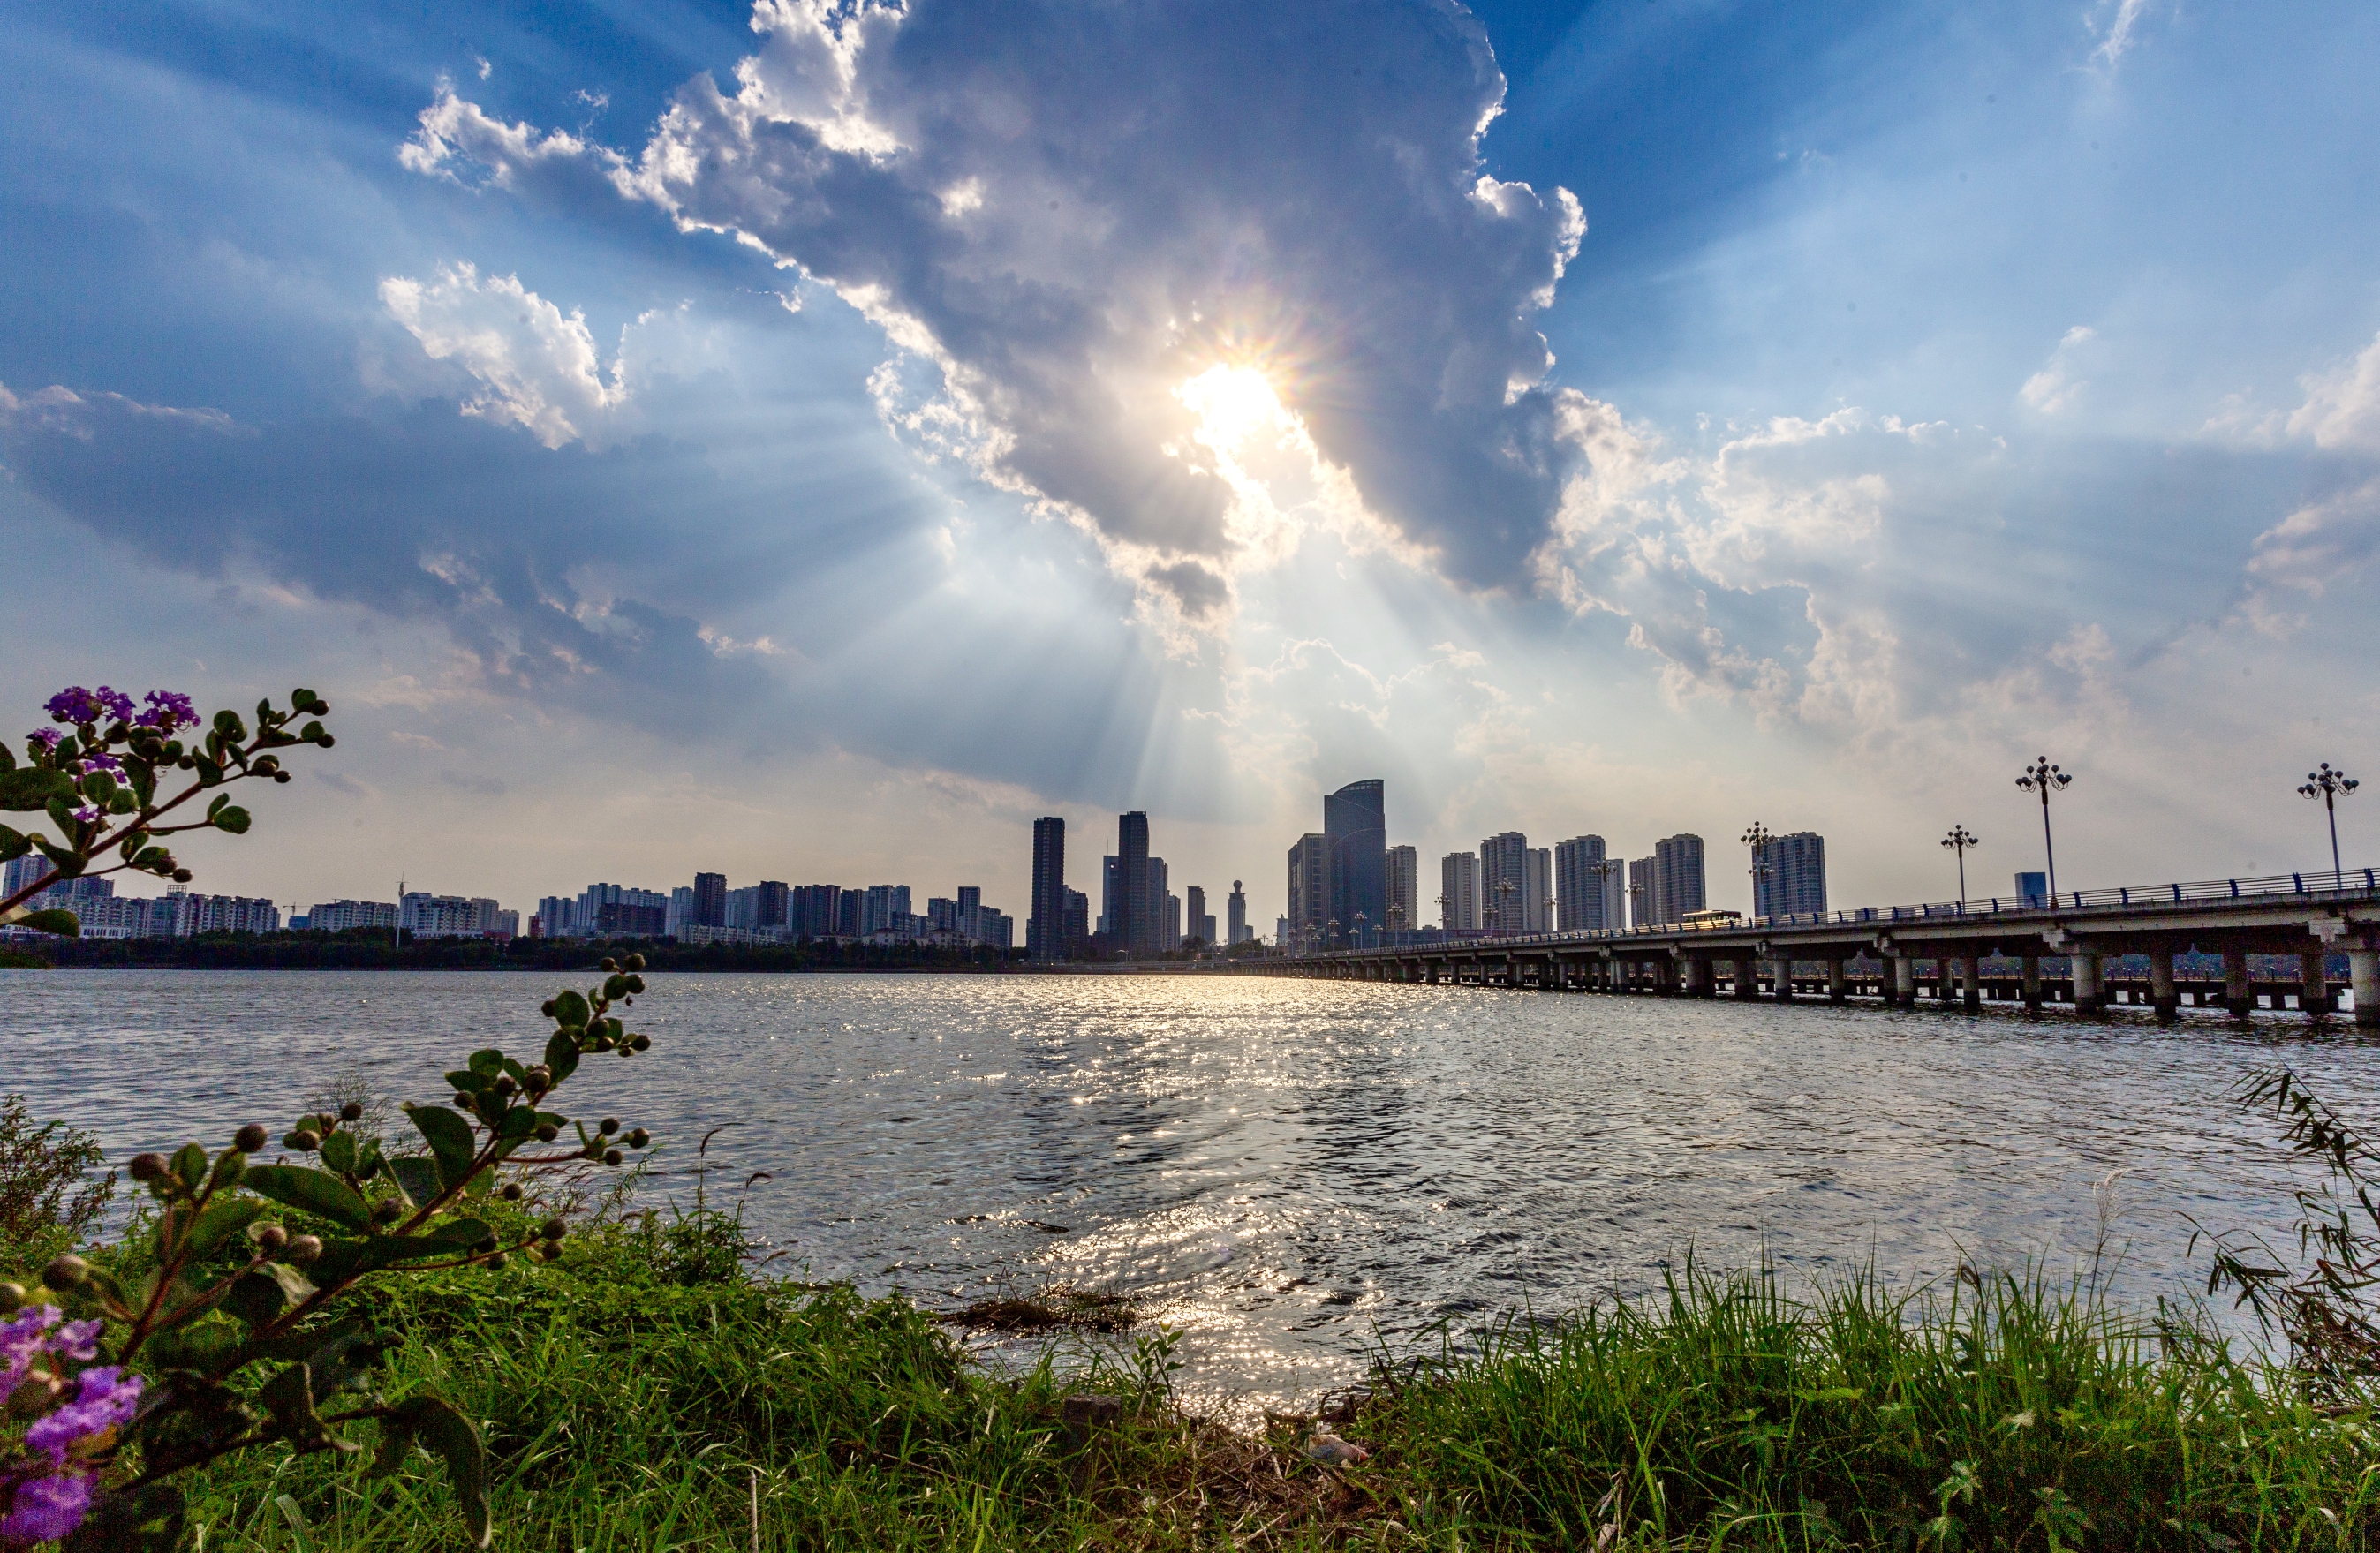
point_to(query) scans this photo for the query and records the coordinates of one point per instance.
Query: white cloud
(2320, 544)
(2116, 37)
(537, 368)
(2342, 407)
(2055, 388)
(1056, 247)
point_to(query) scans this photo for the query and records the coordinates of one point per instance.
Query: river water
(1295, 1173)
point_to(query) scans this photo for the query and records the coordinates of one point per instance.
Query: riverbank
(373, 951)
(651, 1390)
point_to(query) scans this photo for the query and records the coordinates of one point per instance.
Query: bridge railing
(2313, 886)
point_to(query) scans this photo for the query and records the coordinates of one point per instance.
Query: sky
(810, 442)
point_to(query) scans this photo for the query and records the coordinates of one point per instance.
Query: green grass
(640, 1393)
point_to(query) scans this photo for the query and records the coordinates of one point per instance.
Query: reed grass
(646, 1393)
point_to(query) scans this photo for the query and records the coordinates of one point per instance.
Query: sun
(1232, 402)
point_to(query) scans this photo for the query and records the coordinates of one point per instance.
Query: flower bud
(271, 1237)
(387, 1210)
(305, 1248)
(66, 1271)
(511, 1193)
(11, 1296)
(637, 1137)
(609, 1126)
(611, 1156)
(464, 1101)
(498, 1260)
(147, 1167)
(351, 1111)
(488, 1244)
(633, 963)
(608, 964)
(635, 984)
(250, 1138)
(641, 1042)
(546, 1008)
(553, 1229)
(547, 1132)
(305, 1140)
(504, 1085)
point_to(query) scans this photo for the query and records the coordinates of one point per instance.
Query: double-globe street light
(2044, 779)
(2330, 786)
(1958, 841)
(1758, 838)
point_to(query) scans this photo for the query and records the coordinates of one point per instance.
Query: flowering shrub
(94, 773)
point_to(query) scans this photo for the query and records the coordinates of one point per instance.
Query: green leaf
(314, 1191)
(256, 1298)
(561, 1056)
(339, 1152)
(222, 1218)
(190, 1162)
(63, 924)
(488, 1060)
(449, 1137)
(454, 1439)
(300, 1529)
(32, 788)
(517, 1125)
(569, 1008)
(415, 1175)
(289, 1396)
(98, 786)
(13, 844)
(467, 1082)
(207, 1345)
(454, 1233)
(8, 758)
(233, 818)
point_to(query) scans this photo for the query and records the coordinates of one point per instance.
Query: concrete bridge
(1899, 953)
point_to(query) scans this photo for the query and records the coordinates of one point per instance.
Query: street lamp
(1959, 841)
(1331, 928)
(1507, 888)
(2044, 779)
(2330, 786)
(1603, 872)
(1757, 839)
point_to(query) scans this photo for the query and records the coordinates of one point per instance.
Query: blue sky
(812, 445)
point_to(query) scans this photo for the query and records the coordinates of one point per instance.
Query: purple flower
(77, 1341)
(21, 1341)
(101, 762)
(86, 815)
(105, 1397)
(166, 710)
(45, 1509)
(48, 737)
(117, 704)
(74, 704)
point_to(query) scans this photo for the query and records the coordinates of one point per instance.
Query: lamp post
(1958, 841)
(2044, 779)
(2330, 786)
(1603, 871)
(1506, 890)
(1757, 839)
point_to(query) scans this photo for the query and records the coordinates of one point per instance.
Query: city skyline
(1819, 413)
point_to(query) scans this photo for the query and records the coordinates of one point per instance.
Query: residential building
(1135, 916)
(1237, 923)
(1110, 895)
(1193, 907)
(557, 917)
(1309, 890)
(1615, 893)
(677, 918)
(616, 911)
(1280, 931)
(1161, 892)
(2033, 889)
(1404, 889)
(1537, 890)
(1643, 886)
(810, 911)
(1078, 922)
(1578, 884)
(20, 873)
(1793, 879)
(1354, 827)
(1678, 873)
(709, 899)
(1172, 935)
(426, 915)
(340, 916)
(1503, 883)
(1045, 922)
(1458, 898)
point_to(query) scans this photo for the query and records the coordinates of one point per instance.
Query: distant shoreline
(369, 950)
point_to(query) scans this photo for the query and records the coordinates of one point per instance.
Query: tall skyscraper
(1795, 879)
(1643, 892)
(1355, 826)
(1196, 923)
(1537, 890)
(1503, 883)
(1578, 883)
(1111, 898)
(1135, 916)
(774, 899)
(1309, 889)
(1078, 921)
(1678, 866)
(1457, 900)
(1615, 893)
(1404, 889)
(1045, 927)
(1239, 914)
(811, 910)
(711, 900)
(1164, 909)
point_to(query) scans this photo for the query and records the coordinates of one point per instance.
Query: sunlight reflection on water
(1292, 1171)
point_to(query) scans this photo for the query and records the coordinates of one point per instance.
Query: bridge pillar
(1747, 979)
(2090, 988)
(1904, 980)
(2364, 979)
(1784, 983)
(2239, 993)
(1837, 981)
(2032, 979)
(1885, 986)
(2162, 991)
(1687, 984)
(1971, 981)
(2314, 985)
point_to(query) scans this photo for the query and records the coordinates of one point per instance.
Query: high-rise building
(426, 915)
(1196, 923)
(675, 919)
(2033, 889)
(1404, 889)
(1078, 921)
(1615, 893)
(1160, 892)
(1458, 899)
(1354, 827)
(1794, 878)
(1111, 897)
(1237, 924)
(711, 900)
(1678, 875)
(1140, 917)
(21, 873)
(1172, 938)
(1537, 890)
(1503, 883)
(810, 911)
(1045, 922)
(1309, 890)
(1644, 890)
(1578, 884)
(340, 916)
